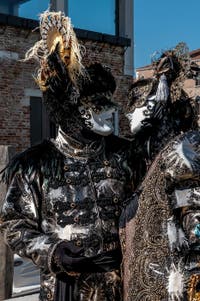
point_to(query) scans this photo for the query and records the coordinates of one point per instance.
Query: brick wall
(16, 78)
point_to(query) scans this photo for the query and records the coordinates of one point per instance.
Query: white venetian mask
(140, 115)
(99, 122)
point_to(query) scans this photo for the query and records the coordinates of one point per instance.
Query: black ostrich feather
(42, 160)
(100, 79)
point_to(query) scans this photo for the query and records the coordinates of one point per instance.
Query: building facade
(23, 119)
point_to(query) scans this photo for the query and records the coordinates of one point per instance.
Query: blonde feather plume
(56, 28)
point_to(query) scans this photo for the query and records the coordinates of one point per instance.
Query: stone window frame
(47, 128)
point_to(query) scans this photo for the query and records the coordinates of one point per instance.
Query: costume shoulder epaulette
(43, 158)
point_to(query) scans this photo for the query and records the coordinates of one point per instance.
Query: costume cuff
(52, 263)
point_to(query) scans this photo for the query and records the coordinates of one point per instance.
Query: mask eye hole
(82, 112)
(150, 107)
(96, 110)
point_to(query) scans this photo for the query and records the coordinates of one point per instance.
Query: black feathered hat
(98, 86)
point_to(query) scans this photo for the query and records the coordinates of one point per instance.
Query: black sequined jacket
(166, 236)
(60, 193)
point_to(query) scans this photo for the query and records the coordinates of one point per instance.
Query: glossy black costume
(66, 196)
(54, 196)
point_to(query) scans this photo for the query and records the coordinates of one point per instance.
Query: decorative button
(78, 243)
(66, 167)
(73, 205)
(49, 296)
(108, 174)
(68, 181)
(76, 219)
(117, 213)
(115, 200)
(106, 162)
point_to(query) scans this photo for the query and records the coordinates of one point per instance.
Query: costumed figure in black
(65, 195)
(165, 237)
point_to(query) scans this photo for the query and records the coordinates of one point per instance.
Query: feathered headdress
(57, 35)
(176, 64)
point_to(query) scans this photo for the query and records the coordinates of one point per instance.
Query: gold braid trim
(193, 294)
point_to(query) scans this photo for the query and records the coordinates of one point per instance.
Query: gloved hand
(69, 258)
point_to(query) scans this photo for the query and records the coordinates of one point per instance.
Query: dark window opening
(41, 126)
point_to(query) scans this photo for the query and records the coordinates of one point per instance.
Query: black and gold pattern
(165, 243)
(194, 288)
(42, 209)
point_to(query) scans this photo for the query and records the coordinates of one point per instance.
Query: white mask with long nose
(99, 122)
